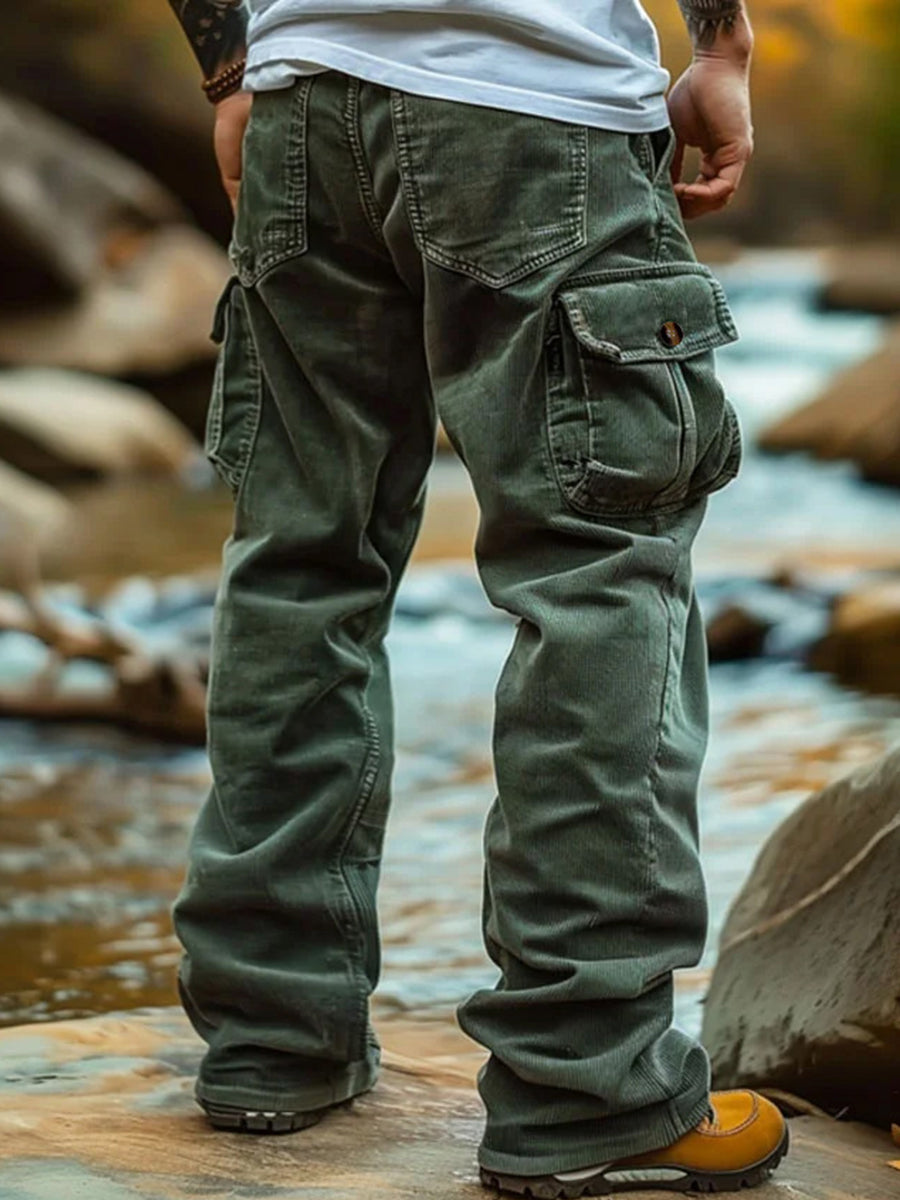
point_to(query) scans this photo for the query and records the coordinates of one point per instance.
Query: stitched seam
(529, 265)
(644, 153)
(552, 383)
(652, 271)
(653, 779)
(754, 1113)
(251, 434)
(367, 783)
(234, 470)
(361, 166)
(289, 232)
(404, 162)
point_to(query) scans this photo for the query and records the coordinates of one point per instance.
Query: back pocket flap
(650, 317)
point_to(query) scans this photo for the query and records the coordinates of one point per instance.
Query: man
(468, 208)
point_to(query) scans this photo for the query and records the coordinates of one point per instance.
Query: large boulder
(856, 417)
(30, 512)
(862, 645)
(145, 317)
(864, 277)
(55, 424)
(806, 992)
(98, 269)
(66, 202)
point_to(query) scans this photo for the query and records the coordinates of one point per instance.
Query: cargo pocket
(637, 419)
(234, 409)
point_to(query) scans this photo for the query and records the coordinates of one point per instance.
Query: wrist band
(226, 83)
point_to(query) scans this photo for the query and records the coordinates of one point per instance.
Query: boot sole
(240, 1120)
(609, 1182)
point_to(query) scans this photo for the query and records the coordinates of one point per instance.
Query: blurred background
(112, 229)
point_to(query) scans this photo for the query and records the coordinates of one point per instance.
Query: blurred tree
(826, 86)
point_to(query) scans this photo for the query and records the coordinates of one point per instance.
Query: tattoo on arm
(705, 18)
(216, 29)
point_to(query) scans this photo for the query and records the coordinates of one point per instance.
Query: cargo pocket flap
(645, 318)
(220, 316)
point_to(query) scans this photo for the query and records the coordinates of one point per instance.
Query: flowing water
(94, 824)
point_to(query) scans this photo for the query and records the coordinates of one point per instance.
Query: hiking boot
(739, 1146)
(245, 1120)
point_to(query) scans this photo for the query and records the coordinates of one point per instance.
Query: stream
(94, 823)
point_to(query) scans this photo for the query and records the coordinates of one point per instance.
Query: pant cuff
(634, 1134)
(350, 1081)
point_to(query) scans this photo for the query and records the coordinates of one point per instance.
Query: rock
(734, 633)
(54, 424)
(864, 277)
(102, 1108)
(806, 993)
(778, 617)
(67, 205)
(98, 271)
(149, 313)
(28, 510)
(862, 646)
(856, 417)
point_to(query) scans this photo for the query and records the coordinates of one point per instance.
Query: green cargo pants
(531, 282)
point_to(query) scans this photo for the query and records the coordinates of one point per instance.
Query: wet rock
(734, 633)
(865, 278)
(149, 312)
(856, 417)
(54, 424)
(780, 617)
(806, 993)
(104, 1106)
(68, 205)
(862, 646)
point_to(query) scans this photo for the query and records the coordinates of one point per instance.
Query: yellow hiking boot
(740, 1148)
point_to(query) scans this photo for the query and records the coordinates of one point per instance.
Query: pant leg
(323, 425)
(569, 333)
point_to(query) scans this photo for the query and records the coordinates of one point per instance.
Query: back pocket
(491, 194)
(637, 419)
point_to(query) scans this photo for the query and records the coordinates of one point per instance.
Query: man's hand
(232, 115)
(709, 108)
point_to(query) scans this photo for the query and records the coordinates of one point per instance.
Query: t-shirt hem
(295, 56)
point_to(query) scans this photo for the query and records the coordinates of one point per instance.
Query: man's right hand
(709, 108)
(232, 115)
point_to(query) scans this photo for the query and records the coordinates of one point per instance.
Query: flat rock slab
(102, 1110)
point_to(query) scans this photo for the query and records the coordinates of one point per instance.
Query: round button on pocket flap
(671, 334)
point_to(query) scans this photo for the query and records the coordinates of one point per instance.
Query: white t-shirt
(591, 62)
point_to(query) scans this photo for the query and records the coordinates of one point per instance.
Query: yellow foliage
(781, 47)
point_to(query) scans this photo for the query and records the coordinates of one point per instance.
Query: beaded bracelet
(226, 83)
